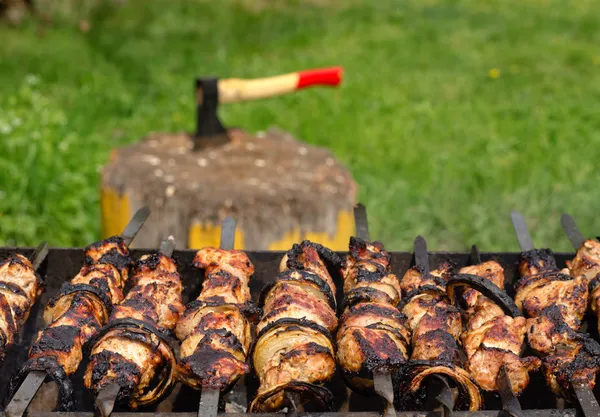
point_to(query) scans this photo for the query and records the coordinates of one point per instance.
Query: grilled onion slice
(411, 379)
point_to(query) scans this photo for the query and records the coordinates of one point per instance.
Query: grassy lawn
(452, 113)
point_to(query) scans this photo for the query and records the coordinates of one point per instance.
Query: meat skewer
(586, 262)
(132, 358)
(555, 304)
(494, 336)
(294, 348)
(74, 316)
(436, 326)
(20, 288)
(214, 331)
(373, 337)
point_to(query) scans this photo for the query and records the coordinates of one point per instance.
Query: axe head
(209, 129)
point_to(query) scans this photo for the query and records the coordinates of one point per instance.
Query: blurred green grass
(452, 113)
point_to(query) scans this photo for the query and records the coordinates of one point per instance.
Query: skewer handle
(234, 90)
(41, 252)
(421, 254)
(587, 401)
(385, 388)
(135, 224)
(209, 402)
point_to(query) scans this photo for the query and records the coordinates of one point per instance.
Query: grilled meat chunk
(20, 287)
(373, 334)
(555, 304)
(294, 348)
(138, 358)
(587, 264)
(214, 330)
(491, 338)
(436, 327)
(82, 306)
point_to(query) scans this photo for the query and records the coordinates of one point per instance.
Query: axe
(210, 92)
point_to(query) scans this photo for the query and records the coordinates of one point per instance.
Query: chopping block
(279, 189)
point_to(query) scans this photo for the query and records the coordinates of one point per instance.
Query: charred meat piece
(436, 327)
(20, 287)
(139, 359)
(587, 264)
(491, 338)
(294, 349)
(373, 334)
(214, 330)
(82, 306)
(555, 304)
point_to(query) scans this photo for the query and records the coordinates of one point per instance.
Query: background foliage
(452, 113)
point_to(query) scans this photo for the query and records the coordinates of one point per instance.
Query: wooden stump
(278, 189)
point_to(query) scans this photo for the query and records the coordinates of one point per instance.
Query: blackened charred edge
(58, 338)
(124, 372)
(545, 275)
(118, 240)
(131, 324)
(200, 364)
(410, 369)
(317, 392)
(541, 259)
(50, 366)
(331, 259)
(152, 261)
(364, 295)
(394, 331)
(69, 288)
(288, 275)
(249, 309)
(11, 326)
(487, 288)
(594, 283)
(373, 360)
(425, 289)
(453, 354)
(357, 244)
(115, 258)
(378, 309)
(298, 323)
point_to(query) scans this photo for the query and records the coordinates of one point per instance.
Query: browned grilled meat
(555, 304)
(491, 338)
(436, 327)
(587, 263)
(133, 352)
(81, 307)
(294, 348)
(20, 288)
(373, 334)
(214, 330)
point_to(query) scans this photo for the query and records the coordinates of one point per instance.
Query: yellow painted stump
(279, 190)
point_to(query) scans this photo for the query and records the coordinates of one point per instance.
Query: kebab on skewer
(373, 334)
(555, 304)
(214, 330)
(20, 288)
(586, 262)
(132, 355)
(75, 315)
(436, 328)
(294, 348)
(493, 339)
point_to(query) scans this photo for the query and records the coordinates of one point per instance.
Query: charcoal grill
(63, 263)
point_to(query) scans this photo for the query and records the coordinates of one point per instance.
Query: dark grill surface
(62, 264)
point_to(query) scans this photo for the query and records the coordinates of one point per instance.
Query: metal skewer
(572, 231)
(34, 380)
(587, 401)
(209, 397)
(107, 396)
(445, 397)
(382, 379)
